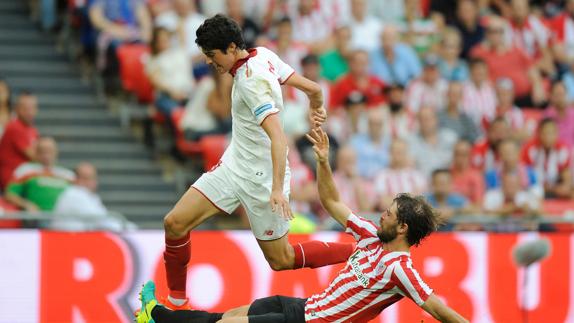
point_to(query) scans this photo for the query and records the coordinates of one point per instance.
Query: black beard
(388, 235)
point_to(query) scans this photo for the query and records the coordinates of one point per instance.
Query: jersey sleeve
(410, 282)
(284, 71)
(256, 94)
(361, 228)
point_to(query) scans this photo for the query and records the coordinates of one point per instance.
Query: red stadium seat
(212, 148)
(8, 207)
(132, 71)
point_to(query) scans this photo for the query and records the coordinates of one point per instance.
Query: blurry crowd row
(466, 101)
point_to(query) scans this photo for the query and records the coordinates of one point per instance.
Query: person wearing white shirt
(82, 207)
(365, 29)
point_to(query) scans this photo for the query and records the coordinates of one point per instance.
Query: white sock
(176, 301)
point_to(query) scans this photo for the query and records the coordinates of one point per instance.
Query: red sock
(315, 254)
(176, 256)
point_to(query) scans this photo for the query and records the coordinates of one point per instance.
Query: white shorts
(227, 191)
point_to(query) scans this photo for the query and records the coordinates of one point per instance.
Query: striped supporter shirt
(372, 280)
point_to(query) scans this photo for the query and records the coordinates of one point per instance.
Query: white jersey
(256, 94)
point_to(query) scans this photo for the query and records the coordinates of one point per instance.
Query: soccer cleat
(183, 307)
(147, 297)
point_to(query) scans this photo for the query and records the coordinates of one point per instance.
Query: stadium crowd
(467, 102)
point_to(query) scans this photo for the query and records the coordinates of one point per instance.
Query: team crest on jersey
(356, 269)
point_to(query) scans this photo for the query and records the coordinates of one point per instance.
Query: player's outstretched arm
(327, 191)
(315, 95)
(441, 312)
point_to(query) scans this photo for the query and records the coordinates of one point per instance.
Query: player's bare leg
(190, 211)
(281, 255)
(238, 311)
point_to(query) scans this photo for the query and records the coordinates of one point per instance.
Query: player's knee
(173, 226)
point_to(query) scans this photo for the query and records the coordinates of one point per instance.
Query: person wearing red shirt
(511, 62)
(17, 143)
(465, 179)
(358, 79)
(551, 159)
(483, 152)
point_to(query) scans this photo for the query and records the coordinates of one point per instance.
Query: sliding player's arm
(315, 95)
(327, 191)
(440, 311)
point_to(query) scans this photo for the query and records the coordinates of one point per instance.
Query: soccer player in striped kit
(378, 273)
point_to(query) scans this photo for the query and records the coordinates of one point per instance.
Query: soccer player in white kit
(253, 171)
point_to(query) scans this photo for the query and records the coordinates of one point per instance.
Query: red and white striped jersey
(479, 101)
(372, 280)
(390, 182)
(549, 164)
(531, 37)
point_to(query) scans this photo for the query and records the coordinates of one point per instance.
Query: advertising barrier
(95, 277)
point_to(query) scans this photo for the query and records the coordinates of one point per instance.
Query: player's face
(220, 61)
(388, 229)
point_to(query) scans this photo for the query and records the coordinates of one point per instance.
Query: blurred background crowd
(468, 102)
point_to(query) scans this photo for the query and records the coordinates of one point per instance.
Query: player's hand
(280, 204)
(320, 142)
(317, 117)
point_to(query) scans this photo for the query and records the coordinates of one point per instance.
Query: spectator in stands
(355, 190)
(334, 62)
(184, 14)
(452, 117)
(209, 110)
(118, 22)
(399, 120)
(5, 106)
(394, 62)
(419, 31)
(509, 153)
(479, 97)
(249, 28)
(358, 79)
(169, 71)
(484, 151)
(465, 179)
(451, 66)
(371, 147)
(510, 199)
(18, 140)
(290, 51)
(389, 11)
(530, 34)
(352, 121)
(446, 200)
(365, 28)
(431, 147)
(429, 89)
(468, 23)
(563, 112)
(37, 186)
(551, 159)
(563, 40)
(399, 177)
(511, 62)
(507, 110)
(313, 25)
(82, 205)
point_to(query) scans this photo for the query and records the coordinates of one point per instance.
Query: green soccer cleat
(147, 297)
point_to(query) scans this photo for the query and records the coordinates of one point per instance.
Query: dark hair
(421, 218)
(309, 59)
(155, 39)
(439, 171)
(218, 32)
(545, 121)
(476, 61)
(283, 20)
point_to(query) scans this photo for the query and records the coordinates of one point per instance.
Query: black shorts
(292, 308)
